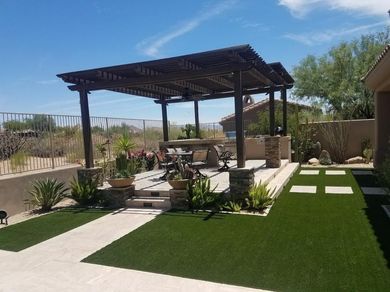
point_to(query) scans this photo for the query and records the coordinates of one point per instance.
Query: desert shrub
(18, 160)
(336, 134)
(47, 193)
(10, 143)
(201, 196)
(85, 192)
(260, 197)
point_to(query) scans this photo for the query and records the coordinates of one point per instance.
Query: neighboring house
(252, 111)
(378, 80)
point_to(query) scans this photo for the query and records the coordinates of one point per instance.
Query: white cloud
(315, 38)
(153, 45)
(299, 8)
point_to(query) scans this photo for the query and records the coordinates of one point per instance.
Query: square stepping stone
(310, 172)
(335, 172)
(338, 190)
(386, 208)
(303, 189)
(374, 191)
(362, 172)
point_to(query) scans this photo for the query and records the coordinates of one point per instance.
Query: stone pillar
(272, 152)
(179, 199)
(240, 181)
(116, 197)
(94, 173)
(382, 127)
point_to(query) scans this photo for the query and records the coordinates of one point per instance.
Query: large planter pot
(178, 184)
(121, 182)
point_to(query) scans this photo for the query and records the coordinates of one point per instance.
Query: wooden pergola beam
(283, 94)
(86, 124)
(239, 108)
(226, 94)
(272, 113)
(196, 113)
(165, 78)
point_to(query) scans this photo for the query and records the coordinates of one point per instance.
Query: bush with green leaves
(85, 193)
(233, 206)
(260, 197)
(201, 195)
(47, 193)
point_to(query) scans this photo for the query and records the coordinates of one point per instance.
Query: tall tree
(333, 79)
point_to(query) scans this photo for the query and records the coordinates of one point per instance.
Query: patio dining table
(185, 155)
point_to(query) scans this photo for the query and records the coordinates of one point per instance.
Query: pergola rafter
(228, 72)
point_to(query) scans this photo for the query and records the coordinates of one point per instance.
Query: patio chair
(199, 160)
(3, 217)
(224, 156)
(164, 162)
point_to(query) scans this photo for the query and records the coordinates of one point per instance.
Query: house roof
(258, 105)
(200, 75)
(377, 61)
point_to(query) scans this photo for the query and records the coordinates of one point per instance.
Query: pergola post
(164, 121)
(284, 101)
(238, 106)
(86, 124)
(272, 113)
(196, 112)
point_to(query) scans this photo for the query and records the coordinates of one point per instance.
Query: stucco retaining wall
(14, 188)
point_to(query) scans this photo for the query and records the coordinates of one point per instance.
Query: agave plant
(123, 144)
(232, 206)
(260, 197)
(47, 193)
(84, 192)
(200, 194)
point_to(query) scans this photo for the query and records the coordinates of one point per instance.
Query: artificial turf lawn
(28, 233)
(308, 242)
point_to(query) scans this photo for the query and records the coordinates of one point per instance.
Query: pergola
(227, 72)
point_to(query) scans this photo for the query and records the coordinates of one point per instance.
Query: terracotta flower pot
(121, 182)
(178, 184)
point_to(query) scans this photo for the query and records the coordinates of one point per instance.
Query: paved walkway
(54, 265)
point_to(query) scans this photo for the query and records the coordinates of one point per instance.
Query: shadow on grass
(376, 215)
(201, 215)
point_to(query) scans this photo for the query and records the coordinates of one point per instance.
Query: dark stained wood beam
(86, 124)
(226, 94)
(238, 108)
(164, 121)
(142, 70)
(164, 78)
(272, 113)
(185, 64)
(158, 90)
(283, 94)
(196, 112)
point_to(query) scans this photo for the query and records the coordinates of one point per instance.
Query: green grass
(28, 233)
(307, 243)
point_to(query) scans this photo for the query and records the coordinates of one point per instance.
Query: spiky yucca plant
(47, 193)
(260, 197)
(84, 192)
(200, 194)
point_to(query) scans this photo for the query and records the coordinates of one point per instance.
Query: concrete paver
(54, 265)
(303, 189)
(338, 190)
(309, 172)
(335, 172)
(375, 191)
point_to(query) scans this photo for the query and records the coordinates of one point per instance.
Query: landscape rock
(356, 159)
(325, 158)
(313, 161)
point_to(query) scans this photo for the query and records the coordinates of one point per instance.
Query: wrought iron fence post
(144, 134)
(51, 142)
(108, 139)
(214, 129)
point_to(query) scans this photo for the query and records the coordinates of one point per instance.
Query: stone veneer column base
(179, 199)
(116, 197)
(86, 174)
(272, 152)
(240, 181)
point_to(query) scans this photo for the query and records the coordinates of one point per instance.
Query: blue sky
(43, 38)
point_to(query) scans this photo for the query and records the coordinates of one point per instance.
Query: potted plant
(181, 177)
(124, 177)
